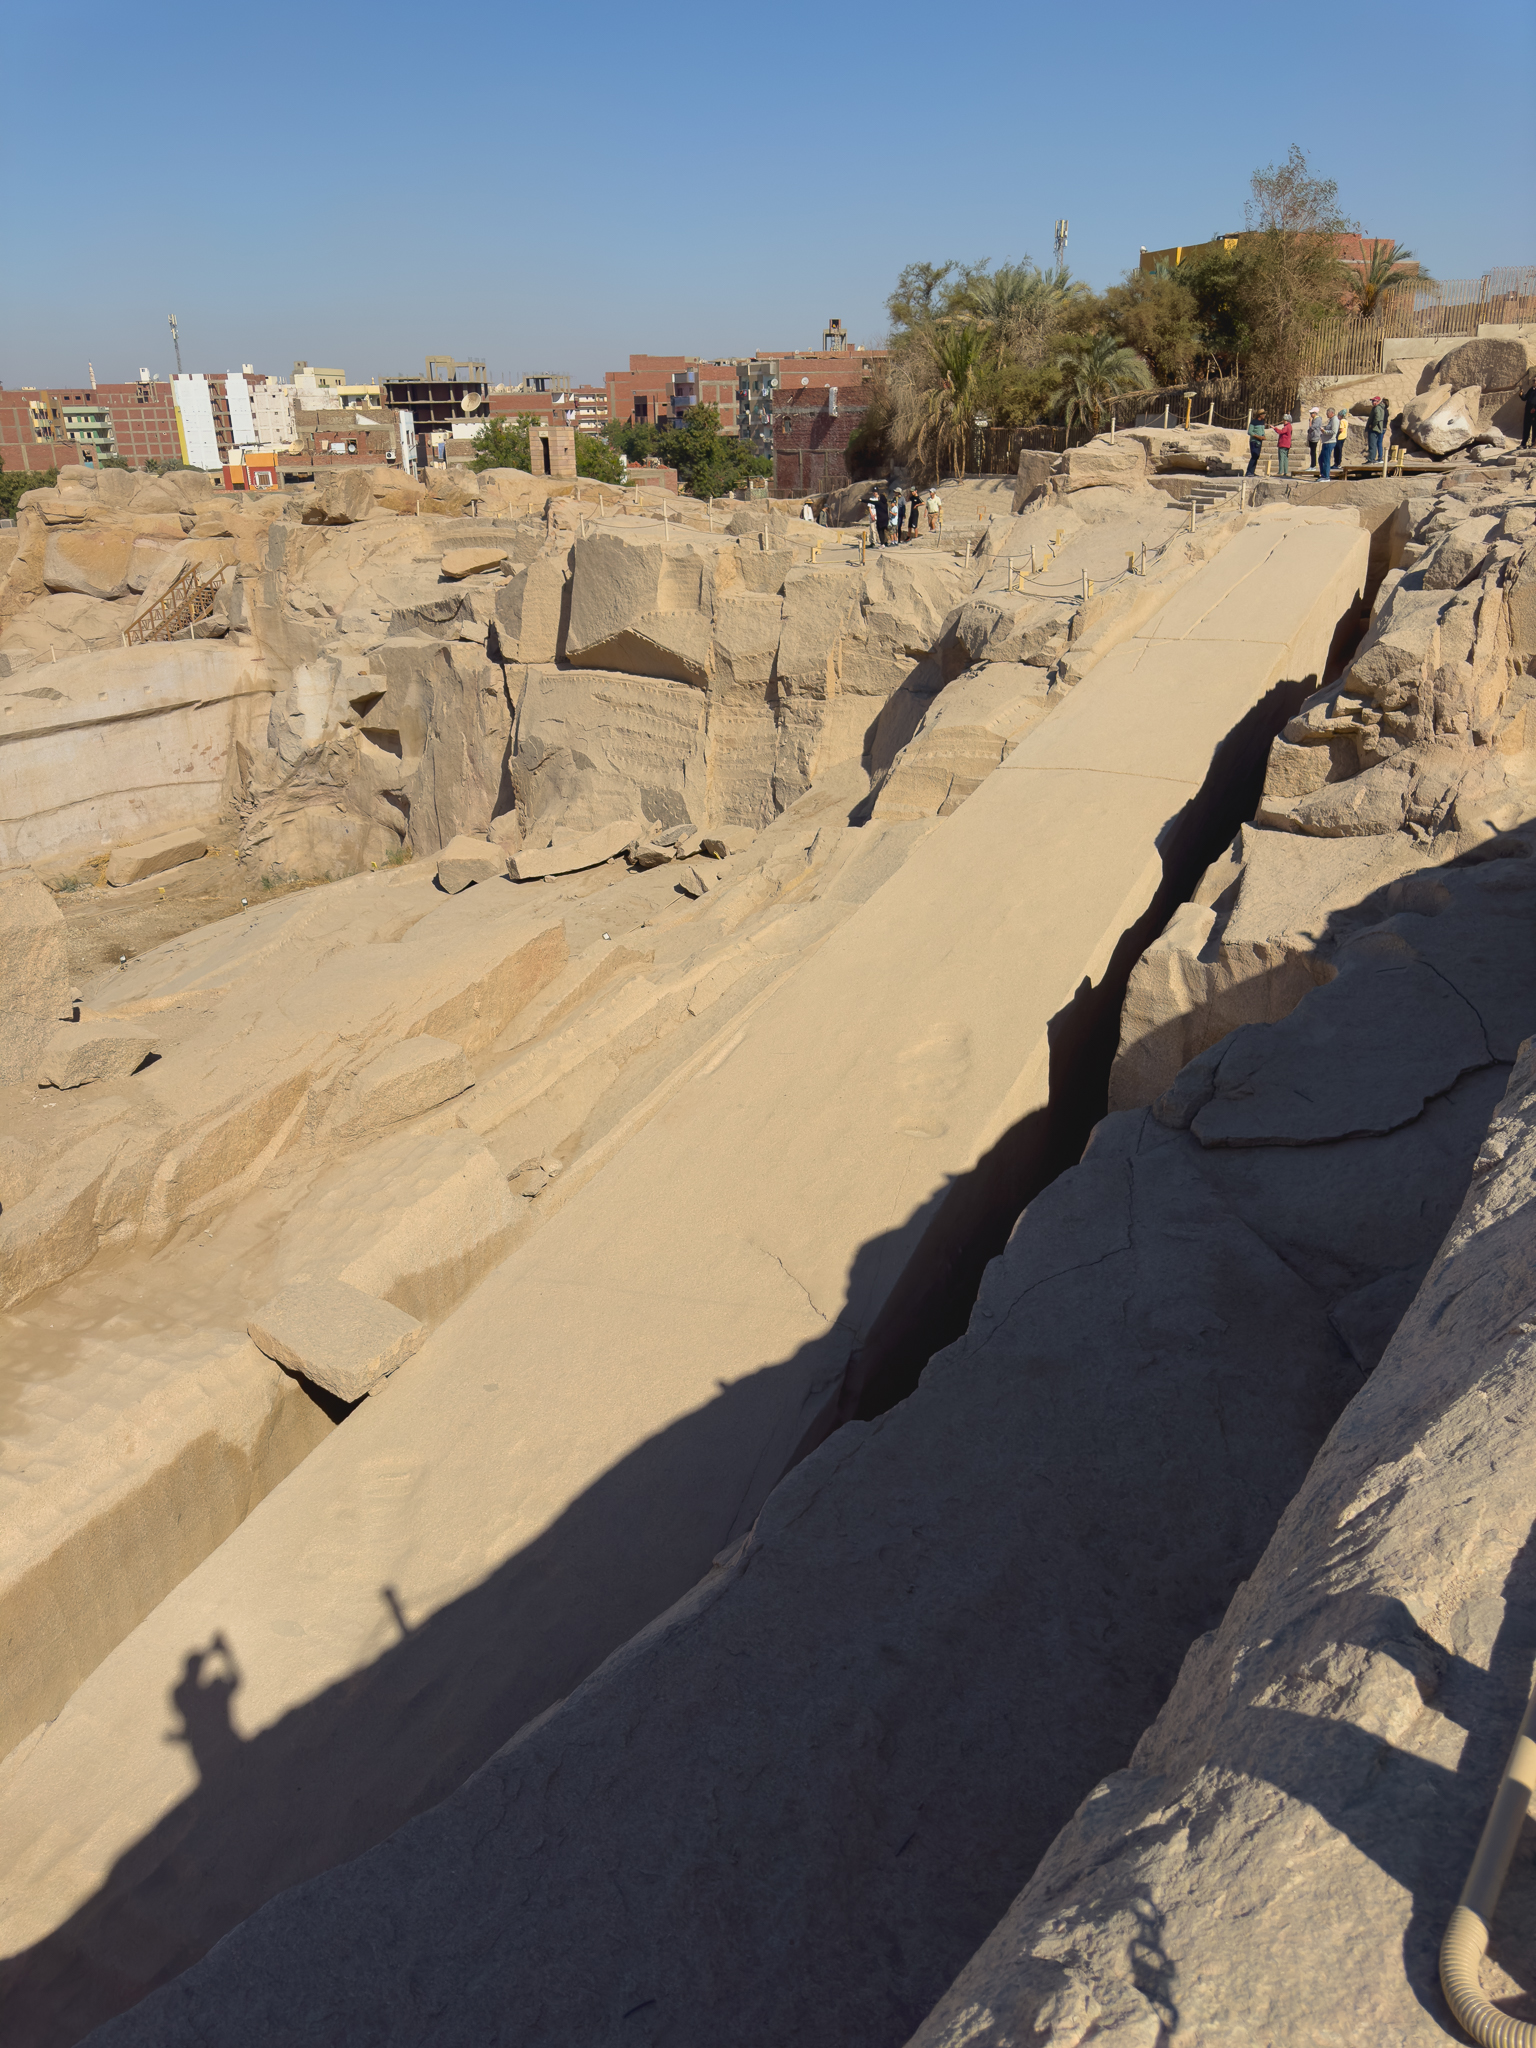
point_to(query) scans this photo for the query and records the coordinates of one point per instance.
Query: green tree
(15, 483)
(1017, 303)
(595, 458)
(1095, 370)
(1159, 318)
(926, 291)
(634, 439)
(709, 464)
(503, 444)
(1218, 283)
(1291, 275)
(1364, 286)
(950, 404)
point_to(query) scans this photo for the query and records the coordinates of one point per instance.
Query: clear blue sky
(359, 185)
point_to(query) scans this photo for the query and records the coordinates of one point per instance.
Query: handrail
(1466, 1937)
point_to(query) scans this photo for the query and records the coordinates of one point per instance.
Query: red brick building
(643, 392)
(20, 428)
(812, 426)
(44, 429)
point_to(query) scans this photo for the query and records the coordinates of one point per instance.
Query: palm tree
(1093, 371)
(1367, 284)
(948, 406)
(1014, 298)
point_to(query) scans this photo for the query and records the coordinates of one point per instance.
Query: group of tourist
(1327, 438)
(907, 508)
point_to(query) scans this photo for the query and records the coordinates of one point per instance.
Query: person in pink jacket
(1283, 436)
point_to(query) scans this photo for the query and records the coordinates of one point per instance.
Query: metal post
(1165, 419)
(1031, 558)
(1143, 558)
(1211, 421)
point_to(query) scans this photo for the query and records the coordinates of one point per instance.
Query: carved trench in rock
(932, 1307)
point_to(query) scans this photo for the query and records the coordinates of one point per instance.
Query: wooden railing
(189, 599)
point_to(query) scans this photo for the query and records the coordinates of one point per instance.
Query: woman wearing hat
(1283, 440)
(1314, 435)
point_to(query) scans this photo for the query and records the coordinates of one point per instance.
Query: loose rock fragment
(101, 1050)
(154, 856)
(342, 1339)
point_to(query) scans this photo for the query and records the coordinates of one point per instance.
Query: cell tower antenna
(176, 339)
(1061, 243)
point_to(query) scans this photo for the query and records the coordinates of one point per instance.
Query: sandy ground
(104, 923)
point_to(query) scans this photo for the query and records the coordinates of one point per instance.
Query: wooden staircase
(189, 599)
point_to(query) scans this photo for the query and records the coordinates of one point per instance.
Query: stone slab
(96, 1050)
(464, 861)
(154, 856)
(404, 1080)
(335, 1335)
(461, 562)
(588, 850)
(34, 973)
(117, 1477)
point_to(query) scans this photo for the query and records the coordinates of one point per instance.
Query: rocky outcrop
(34, 978)
(812, 1274)
(1442, 420)
(1422, 732)
(1312, 1792)
(126, 743)
(1260, 1239)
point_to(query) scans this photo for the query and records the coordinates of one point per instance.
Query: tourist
(1283, 442)
(917, 506)
(874, 522)
(1338, 453)
(1528, 438)
(935, 511)
(1375, 429)
(807, 513)
(1256, 431)
(1314, 436)
(1327, 435)
(882, 520)
(901, 515)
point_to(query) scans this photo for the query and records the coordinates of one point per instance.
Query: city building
(320, 390)
(583, 406)
(701, 383)
(590, 405)
(450, 402)
(761, 377)
(196, 418)
(254, 469)
(272, 412)
(643, 392)
(20, 445)
(47, 429)
(813, 425)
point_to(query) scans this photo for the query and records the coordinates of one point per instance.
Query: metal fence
(1356, 346)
